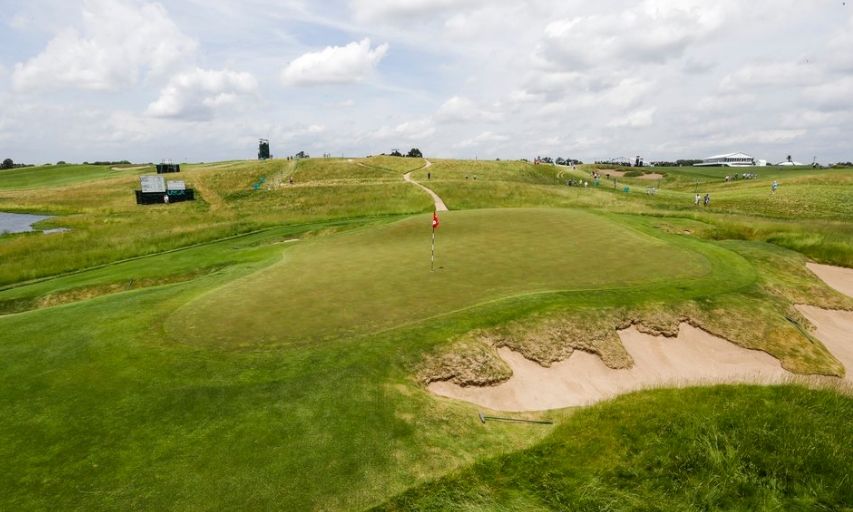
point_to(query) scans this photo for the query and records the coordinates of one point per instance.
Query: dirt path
(439, 204)
(694, 357)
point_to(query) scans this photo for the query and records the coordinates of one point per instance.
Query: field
(268, 347)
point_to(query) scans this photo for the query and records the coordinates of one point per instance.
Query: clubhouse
(730, 160)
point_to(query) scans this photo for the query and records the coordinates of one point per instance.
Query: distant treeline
(9, 164)
(677, 163)
(122, 162)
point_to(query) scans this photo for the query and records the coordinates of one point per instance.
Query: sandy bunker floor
(694, 357)
(621, 174)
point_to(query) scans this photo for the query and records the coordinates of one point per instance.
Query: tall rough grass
(719, 448)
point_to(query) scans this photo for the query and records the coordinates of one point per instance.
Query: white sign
(152, 184)
(176, 185)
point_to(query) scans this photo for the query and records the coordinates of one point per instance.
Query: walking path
(439, 204)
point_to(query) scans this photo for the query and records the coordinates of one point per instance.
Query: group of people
(746, 176)
(707, 198)
(706, 201)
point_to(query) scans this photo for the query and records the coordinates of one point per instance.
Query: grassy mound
(721, 448)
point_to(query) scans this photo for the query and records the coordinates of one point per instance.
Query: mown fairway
(258, 349)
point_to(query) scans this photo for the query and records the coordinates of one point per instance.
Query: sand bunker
(621, 174)
(694, 357)
(836, 277)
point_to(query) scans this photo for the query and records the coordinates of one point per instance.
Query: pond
(21, 222)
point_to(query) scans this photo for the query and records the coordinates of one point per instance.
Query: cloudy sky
(202, 80)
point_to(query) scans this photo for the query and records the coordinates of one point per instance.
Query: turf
(198, 357)
(721, 448)
(380, 278)
(51, 176)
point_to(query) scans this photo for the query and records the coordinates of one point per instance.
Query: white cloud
(838, 54)
(459, 109)
(416, 129)
(666, 79)
(481, 139)
(120, 40)
(524, 96)
(770, 74)
(300, 132)
(335, 64)
(832, 95)
(723, 103)
(638, 119)
(342, 105)
(197, 94)
(654, 31)
(20, 22)
(372, 10)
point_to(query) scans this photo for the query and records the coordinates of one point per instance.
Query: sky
(203, 80)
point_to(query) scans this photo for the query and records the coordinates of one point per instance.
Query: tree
(415, 153)
(7, 164)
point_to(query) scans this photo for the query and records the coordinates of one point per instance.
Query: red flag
(434, 220)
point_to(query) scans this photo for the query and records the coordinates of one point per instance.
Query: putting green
(380, 278)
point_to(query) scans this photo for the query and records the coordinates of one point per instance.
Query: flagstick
(432, 258)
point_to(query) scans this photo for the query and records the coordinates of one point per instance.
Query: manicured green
(380, 278)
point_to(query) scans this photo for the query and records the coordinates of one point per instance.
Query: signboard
(176, 185)
(153, 184)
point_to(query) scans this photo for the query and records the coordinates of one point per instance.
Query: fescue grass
(718, 448)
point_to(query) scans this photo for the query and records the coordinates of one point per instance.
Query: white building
(729, 160)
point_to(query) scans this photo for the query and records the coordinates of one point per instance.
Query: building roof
(730, 155)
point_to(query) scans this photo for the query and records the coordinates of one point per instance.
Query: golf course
(300, 337)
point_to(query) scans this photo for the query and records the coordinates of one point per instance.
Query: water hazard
(20, 222)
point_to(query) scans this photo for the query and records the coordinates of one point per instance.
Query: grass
(719, 448)
(59, 176)
(384, 279)
(197, 356)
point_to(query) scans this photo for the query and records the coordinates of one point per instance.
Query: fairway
(380, 278)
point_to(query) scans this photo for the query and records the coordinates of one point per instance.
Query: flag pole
(432, 258)
(434, 225)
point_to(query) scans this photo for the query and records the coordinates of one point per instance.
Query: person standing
(698, 198)
(707, 199)
(773, 188)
